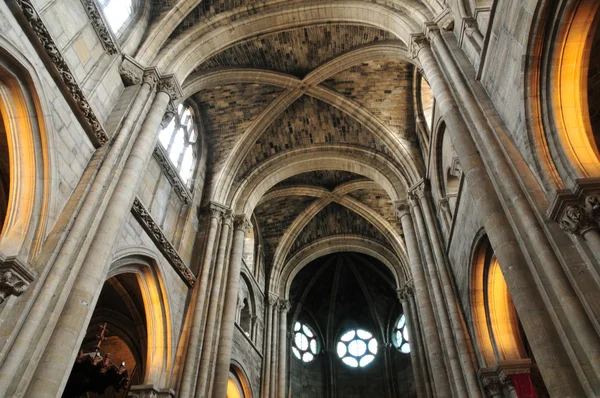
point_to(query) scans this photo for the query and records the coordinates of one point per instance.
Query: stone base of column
(150, 391)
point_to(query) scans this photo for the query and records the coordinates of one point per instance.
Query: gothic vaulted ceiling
(308, 112)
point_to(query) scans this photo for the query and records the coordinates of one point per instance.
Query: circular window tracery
(357, 348)
(401, 336)
(304, 345)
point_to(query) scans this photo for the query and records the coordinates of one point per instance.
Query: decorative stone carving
(273, 300)
(470, 26)
(77, 97)
(448, 24)
(162, 243)
(492, 386)
(150, 77)
(284, 305)
(575, 220)
(241, 223)
(456, 168)
(131, 73)
(216, 210)
(168, 116)
(99, 26)
(15, 278)
(418, 42)
(169, 85)
(401, 208)
(418, 190)
(172, 175)
(405, 292)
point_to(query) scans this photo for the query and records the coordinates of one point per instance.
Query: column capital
(417, 43)
(170, 86)
(432, 29)
(577, 210)
(401, 208)
(470, 26)
(273, 299)
(241, 223)
(405, 292)
(150, 77)
(131, 72)
(15, 277)
(284, 305)
(216, 210)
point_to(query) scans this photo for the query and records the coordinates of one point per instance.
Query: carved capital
(241, 223)
(169, 85)
(284, 305)
(492, 386)
(273, 300)
(577, 220)
(216, 210)
(405, 292)
(418, 190)
(448, 24)
(15, 278)
(131, 72)
(168, 116)
(401, 208)
(417, 43)
(150, 77)
(99, 26)
(470, 26)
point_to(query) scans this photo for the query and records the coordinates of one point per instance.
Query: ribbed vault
(308, 113)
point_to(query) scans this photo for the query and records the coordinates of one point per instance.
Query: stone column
(274, 352)
(241, 227)
(284, 307)
(456, 321)
(403, 294)
(55, 364)
(271, 305)
(434, 349)
(57, 281)
(558, 371)
(447, 334)
(195, 338)
(417, 340)
(213, 303)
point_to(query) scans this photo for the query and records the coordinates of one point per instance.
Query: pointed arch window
(178, 139)
(117, 13)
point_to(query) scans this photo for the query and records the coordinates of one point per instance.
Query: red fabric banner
(523, 385)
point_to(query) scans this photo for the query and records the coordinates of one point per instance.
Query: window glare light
(304, 345)
(400, 336)
(357, 348)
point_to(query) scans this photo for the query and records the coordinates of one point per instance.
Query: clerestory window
(401, 336)
(179, 141)
(117, 12)
(357, 348)
(304, 345)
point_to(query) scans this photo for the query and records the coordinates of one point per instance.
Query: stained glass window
(401, 336)
(304, 345)
(178, 139)
(357, 348)
(117, 12)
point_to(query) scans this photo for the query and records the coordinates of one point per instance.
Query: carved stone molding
(162, 243)
(96, 132)
(100, 26)
(405, 292)
(241, 223)
(168, 116)
(578, 211)
(172, 175)
(15, 278)
(131, 72)
(284, 305)
(170, 86)
(150, 77)
(417, 43)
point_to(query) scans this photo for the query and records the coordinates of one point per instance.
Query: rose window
(357, 348)
(304, 345)
(401, 336)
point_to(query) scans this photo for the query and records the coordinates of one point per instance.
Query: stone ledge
(162, 243)
(172, 175)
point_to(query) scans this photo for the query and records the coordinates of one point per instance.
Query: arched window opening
(401, 340)
(357, 348)
(450, 170)
(117, 332)
(237, 385)
(427, 100)
(246, 317)
(249, 249)
(178, 139)
(496, 321)
(4, 174)
(576, 83)
(304, 343)
(117, 13)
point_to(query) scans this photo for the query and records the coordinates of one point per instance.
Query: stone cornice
(162, 243)
(76, 99)
(172, 175)
(100, 26)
